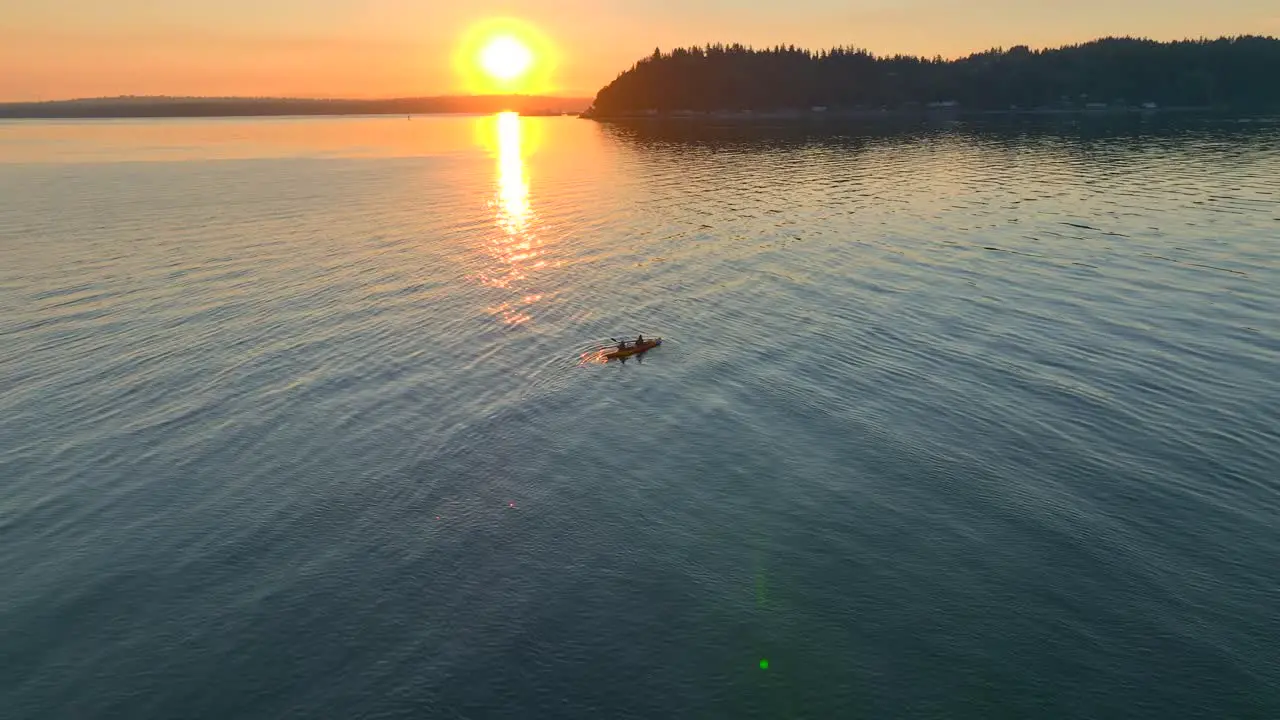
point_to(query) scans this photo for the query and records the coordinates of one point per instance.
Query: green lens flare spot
(764, 664)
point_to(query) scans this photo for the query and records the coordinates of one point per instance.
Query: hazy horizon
(70, 49)
(268, 98)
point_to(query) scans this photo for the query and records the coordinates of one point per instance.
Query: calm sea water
(956, 422)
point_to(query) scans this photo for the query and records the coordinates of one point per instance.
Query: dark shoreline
(1106, 76)
(917, 115)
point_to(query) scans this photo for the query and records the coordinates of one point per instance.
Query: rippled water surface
(956, 422)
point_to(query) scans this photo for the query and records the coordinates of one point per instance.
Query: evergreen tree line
(1235, 72)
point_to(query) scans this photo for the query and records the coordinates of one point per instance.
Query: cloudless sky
(52, 49)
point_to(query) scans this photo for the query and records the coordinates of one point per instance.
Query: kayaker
(639, 340)
(622, 344)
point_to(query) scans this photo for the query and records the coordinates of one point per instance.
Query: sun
(505, 55)
(505, 58)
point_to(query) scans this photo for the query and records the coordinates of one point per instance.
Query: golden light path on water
(513, 186)
(516, 248)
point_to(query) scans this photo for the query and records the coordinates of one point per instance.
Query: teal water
(956, 422)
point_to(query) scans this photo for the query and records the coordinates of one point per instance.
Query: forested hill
(1238, 72)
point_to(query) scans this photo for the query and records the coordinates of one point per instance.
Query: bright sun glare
(505, 55)
(505, 58)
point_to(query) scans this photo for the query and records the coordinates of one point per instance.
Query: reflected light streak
(515, 249)
(513, 187)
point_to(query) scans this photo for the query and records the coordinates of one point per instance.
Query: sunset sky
(377, 48)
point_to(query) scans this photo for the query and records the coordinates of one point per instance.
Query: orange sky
(378, 48)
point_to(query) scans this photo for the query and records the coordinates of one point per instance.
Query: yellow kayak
(632, 349)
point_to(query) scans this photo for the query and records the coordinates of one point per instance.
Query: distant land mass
(124, 107)
(1109, 74)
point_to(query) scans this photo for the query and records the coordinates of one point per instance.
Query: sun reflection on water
(513, 186)
(515, 249)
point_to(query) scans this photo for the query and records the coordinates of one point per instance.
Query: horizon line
(301, 98)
